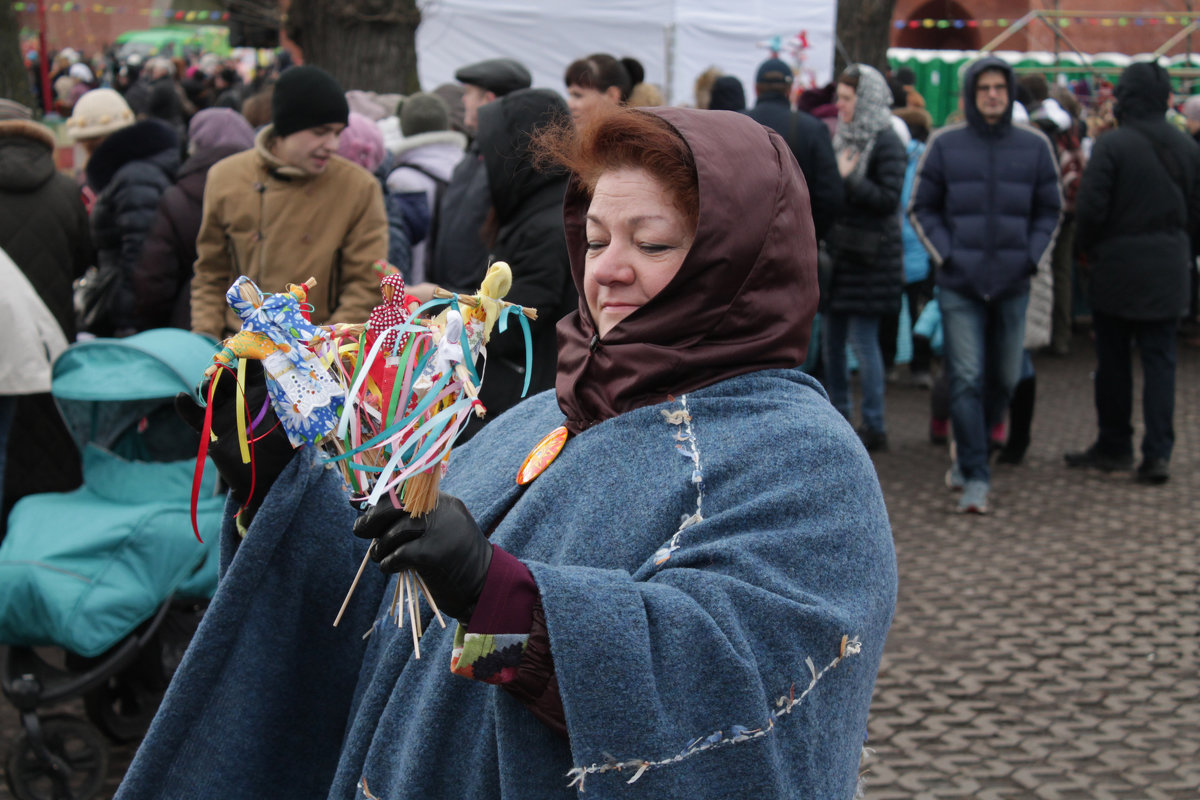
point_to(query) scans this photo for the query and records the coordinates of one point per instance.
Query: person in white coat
(32, 340)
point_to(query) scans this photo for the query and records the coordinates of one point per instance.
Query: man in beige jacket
(291, 209)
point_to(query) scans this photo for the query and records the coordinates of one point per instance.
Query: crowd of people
(994, 240)
(680, 259)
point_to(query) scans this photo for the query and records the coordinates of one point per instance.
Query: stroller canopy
(105, 387)
(154, 364)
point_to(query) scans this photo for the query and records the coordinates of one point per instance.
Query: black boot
(1020, 420)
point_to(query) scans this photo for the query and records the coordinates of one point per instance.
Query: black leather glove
(271, 453)
(445, 546)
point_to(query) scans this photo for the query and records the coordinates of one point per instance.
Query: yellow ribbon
(241, 411)
(212, 392)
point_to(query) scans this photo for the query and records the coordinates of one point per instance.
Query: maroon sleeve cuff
(536, 683)
(506, 603)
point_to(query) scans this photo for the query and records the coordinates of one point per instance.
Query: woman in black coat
(129, 172)
(865, 244)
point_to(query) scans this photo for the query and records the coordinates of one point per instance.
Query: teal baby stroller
(111, 572)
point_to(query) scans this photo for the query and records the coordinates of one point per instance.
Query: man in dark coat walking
(807, 137)
(1138, 206)
(986, 205)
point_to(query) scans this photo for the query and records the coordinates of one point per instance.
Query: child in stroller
(109, 573)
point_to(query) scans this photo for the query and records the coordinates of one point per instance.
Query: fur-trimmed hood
(26, 155)
(150, 140)
(29, 130)
(263, 141)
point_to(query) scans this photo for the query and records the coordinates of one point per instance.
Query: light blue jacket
(916, 257)
(717, 575)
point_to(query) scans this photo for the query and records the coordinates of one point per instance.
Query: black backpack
(431, 237)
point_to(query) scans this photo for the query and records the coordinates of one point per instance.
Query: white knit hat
(99, 113)
(81, 72)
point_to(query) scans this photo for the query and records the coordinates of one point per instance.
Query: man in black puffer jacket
(1138, 207)
(986, 205)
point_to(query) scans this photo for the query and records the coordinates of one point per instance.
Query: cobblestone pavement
(1048, 650)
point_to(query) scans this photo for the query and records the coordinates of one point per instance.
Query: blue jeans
(863, 334)
(984, 348)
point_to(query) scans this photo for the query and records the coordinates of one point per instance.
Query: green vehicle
(173, 40)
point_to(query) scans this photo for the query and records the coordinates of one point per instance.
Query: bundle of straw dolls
(385, 399)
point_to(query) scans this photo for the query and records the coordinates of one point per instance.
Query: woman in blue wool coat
(690, 600)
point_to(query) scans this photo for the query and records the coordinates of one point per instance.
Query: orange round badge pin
(542, 455)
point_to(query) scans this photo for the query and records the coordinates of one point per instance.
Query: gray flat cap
(497, 75)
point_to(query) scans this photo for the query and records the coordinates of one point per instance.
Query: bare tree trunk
(863, 27)
(14, 79)
(365, 44)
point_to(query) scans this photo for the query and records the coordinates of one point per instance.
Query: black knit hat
(307, 97)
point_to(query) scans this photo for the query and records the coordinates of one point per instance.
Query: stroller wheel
(122, 707)
(77, 744)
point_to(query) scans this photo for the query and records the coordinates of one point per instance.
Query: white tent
(675, 40)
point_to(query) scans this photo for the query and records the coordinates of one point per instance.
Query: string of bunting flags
(100, 8)
(1062, 22)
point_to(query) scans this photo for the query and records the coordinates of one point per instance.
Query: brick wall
(1107, 37)
(90, 27)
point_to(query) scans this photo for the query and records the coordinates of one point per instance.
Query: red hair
(618, 138)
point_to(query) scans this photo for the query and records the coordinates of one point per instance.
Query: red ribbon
(201, 457)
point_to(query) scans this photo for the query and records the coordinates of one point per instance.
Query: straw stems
(413, 614)
(421, 491)
(404, 600)
(409, 584)
(420, 497)
(428, 595)
(354, 584)
(469, 300)
(251, 295)
(469, 387)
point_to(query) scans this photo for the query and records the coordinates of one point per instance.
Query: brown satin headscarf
(743, 300)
